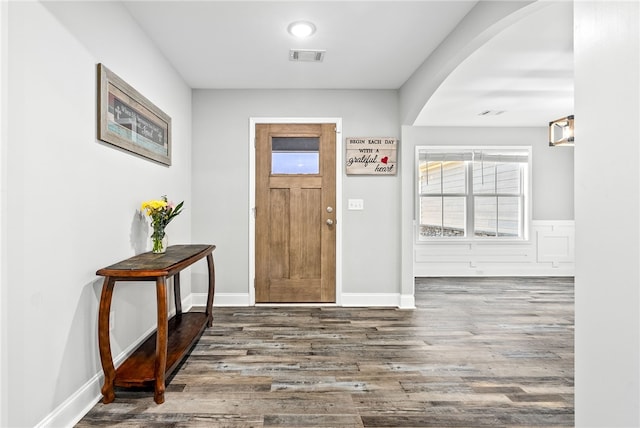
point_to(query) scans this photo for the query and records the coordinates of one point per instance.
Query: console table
(160, 353)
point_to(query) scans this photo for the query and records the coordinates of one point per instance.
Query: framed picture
(130, 121)
(371, 156)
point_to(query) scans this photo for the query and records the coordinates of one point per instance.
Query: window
(473, 193)
(295, 155)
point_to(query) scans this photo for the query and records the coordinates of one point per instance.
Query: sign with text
(371, 155)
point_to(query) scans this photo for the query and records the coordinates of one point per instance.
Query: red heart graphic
(384, 160)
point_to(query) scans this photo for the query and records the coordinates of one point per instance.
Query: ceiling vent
(491, 113)
(307, 55)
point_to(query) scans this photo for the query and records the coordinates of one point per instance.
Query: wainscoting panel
(550, 251)
(556, 243)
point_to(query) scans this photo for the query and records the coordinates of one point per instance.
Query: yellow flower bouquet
(161, 212)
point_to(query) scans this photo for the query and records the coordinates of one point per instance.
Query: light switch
(355, 204)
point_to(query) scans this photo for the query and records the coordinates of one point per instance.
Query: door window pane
(295, 155)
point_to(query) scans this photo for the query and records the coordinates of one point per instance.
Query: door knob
(329, 222)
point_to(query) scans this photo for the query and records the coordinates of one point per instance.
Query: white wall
(371, 245)
(3, 248)
(607, 288)
(71, 201)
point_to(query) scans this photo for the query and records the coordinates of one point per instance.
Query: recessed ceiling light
(301, 29)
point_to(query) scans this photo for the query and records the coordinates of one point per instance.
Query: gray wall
(70, 202)
(371, 238)
(371, 244)
(607, 101)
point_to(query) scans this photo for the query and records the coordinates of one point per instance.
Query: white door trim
(253, 121)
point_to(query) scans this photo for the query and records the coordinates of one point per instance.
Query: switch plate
(355, 204)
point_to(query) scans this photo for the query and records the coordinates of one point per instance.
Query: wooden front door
(295, 213)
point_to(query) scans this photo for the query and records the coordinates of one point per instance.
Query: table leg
(104, 341)
(212, 289)
(161, 339)
(176, 293)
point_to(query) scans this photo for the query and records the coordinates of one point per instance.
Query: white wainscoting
(550, 251)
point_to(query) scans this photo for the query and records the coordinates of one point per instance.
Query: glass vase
(159, 245)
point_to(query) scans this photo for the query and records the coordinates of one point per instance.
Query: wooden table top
(151, 265)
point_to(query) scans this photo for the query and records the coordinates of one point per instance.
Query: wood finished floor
(477, 352)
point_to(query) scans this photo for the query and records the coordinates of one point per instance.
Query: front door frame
(253, 121)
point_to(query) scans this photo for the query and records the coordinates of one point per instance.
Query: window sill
(506, 241)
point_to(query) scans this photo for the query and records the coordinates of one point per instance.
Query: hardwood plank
(476, 352)
(312, 421)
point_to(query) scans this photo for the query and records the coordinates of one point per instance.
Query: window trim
(526, 215)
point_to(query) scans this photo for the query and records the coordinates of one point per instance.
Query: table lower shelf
(183, 332)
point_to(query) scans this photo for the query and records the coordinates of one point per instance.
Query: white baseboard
(69, 412)
(407, 301)
(76, 406)
(347, 300)
(370, 300)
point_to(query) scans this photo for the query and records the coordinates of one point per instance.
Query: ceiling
(521, 77)
(369, 45)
